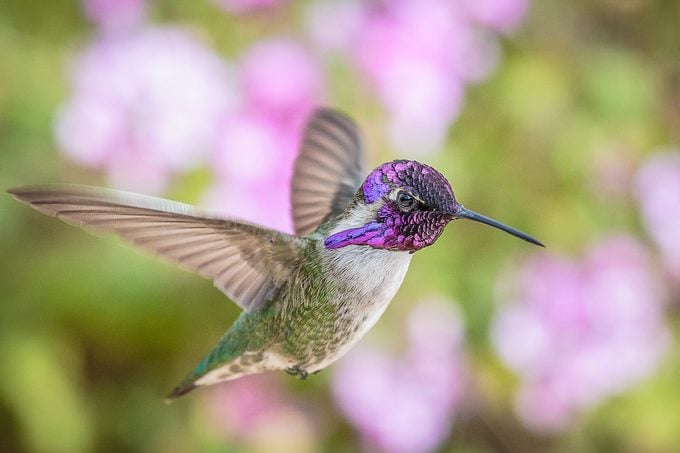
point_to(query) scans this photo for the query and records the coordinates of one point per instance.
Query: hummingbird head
(404, 205)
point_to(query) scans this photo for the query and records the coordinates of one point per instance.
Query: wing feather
(246, 262)
(328, 170)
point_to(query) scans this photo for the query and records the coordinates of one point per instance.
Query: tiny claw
(297, 371)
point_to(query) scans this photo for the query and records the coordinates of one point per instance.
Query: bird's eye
(405, 200)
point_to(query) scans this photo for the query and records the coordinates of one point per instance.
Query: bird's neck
(358, 214)
(363, 263)
(356, 226)
(365, 272)
(363, 268)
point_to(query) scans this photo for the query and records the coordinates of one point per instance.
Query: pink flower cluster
(406, 404)
(151, 102)
(657, 188)
(579, 332)
(258, 142)
(420, 55)
(146, 104)
(113, 15)
(257, 412)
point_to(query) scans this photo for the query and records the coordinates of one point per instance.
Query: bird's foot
(297, 371)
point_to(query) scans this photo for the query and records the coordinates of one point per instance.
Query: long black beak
(464, 213)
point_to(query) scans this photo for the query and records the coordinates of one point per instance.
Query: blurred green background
(93, 334)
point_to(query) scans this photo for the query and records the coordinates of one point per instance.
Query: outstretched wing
(328, 170)
(246, 262)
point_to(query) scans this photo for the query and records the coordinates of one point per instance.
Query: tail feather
(180, 390)
(230, 359)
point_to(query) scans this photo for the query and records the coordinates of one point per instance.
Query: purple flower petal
(657, 188)
(155, 96)
(258, 142)
(115, 14)
(579, 332)
(500, 15)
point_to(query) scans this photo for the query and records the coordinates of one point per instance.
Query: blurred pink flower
(407, 404)
(334, 25)
(407, 50)
(258, 143)
(257, 411)
(144, 105)
(115, 14)
(254, 166)
(657, 187)
(499, 15)
(246, 6)
(236, 406)
(580, 332)
(280, 79)
(420, 56)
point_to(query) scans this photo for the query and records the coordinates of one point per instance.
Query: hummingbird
(307, 298)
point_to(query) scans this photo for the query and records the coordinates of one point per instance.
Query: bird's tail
(209, 373)
(219, 365)
(234, 356)
(180, 390)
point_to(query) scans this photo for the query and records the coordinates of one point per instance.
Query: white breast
(368, 272)
(367, 279)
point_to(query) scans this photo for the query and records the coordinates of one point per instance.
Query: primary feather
(246, 262)
(328, 171)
